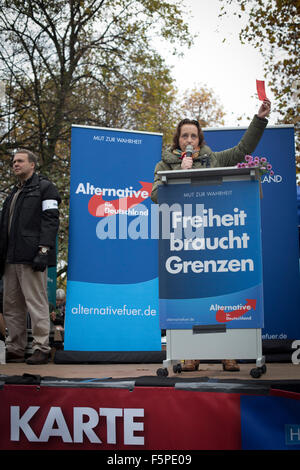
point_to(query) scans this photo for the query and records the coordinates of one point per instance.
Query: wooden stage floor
(275, 371)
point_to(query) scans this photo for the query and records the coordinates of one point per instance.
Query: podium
(210, 266)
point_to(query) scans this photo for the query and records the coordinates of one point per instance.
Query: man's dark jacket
(32, 225)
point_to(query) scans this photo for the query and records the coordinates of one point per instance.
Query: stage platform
(121, 365)
(282, 376)
(275, 371)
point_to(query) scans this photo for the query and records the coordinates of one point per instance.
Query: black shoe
(14, 357)
(38, 357)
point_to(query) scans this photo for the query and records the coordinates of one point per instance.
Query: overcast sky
(229, 68)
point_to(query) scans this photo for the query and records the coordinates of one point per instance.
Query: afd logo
(292, 434)
(126, 200)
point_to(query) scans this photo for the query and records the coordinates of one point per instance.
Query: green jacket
(229, 157)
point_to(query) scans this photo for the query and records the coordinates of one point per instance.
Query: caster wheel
(263, 369)
(177, 369)
(162, 372)
(255, 373)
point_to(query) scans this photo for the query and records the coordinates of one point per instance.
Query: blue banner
(112, 287)
(210, 269)
(280, 244)
(270, 423)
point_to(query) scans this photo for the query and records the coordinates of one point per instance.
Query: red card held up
(260, 86)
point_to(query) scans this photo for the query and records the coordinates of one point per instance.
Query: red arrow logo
(222, 316)
(98, 207)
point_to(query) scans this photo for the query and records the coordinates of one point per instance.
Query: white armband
(49, 204)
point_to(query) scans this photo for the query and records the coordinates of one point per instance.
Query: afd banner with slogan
(210, 269)
(280, 245)
(112, 288)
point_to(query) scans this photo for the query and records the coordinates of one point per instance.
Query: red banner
(145, 418)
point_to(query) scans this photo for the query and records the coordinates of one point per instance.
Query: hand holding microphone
(187, 161)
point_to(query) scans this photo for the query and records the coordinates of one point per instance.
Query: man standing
(28, 229)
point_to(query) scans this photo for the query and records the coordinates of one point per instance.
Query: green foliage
(273, 28)
(201, 104)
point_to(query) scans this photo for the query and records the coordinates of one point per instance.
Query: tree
(154, 108)
(273, 28)
(51, 48)
(201, 104)
(83, 62)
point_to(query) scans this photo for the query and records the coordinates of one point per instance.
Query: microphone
(189, 150)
